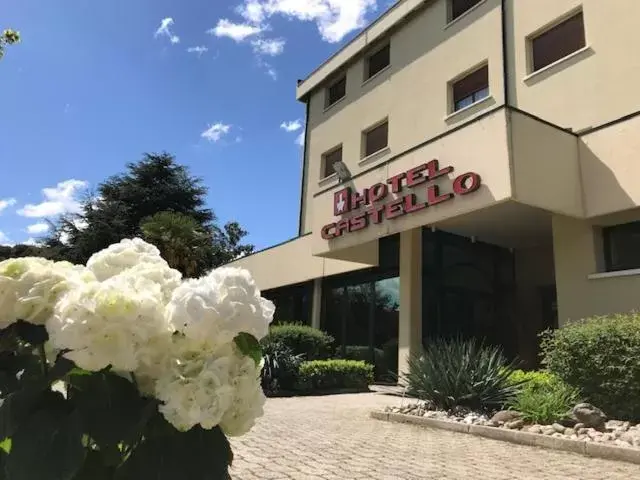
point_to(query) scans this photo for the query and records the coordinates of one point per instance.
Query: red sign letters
(366, 207)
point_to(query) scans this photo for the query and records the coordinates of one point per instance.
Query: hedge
(310, 342)
(318, 375)
(601, 357)
(363, 353)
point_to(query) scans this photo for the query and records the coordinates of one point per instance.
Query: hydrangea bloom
(31, 286)
(129, 310)
(219, 306)
(248, 400)
(196, 388)
(138, 258)
(121, 256)
(108, 323)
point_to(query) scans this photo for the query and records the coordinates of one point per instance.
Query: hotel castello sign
(372, 206)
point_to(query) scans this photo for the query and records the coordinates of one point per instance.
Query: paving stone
(333, 438)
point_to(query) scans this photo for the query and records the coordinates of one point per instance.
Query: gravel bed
(612, 432)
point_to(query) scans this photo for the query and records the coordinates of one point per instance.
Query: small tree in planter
(120, 370)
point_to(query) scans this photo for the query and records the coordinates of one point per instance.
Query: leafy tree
(22, 250)
(8, 37)
(127, 204)
(180, 238)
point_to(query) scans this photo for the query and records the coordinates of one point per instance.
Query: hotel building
(471, 167)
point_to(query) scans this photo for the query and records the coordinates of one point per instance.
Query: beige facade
(553, 143)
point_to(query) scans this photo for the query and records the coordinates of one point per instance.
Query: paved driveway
(331, 437)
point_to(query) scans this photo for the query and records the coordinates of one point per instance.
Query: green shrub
(457, 373)
(319, 375)
(599, 356)
(311, 343)
(363, 353)
(533, 379)
(280, 369)
(543, 397)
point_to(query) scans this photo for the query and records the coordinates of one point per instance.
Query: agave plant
(280, 368)
(458, 373)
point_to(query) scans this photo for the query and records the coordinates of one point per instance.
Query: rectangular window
(471, 89)
(336, 91)
(558, 42)
(622, 246)
(459, 7)
(376, 139)
(328, 161)
(378, 61)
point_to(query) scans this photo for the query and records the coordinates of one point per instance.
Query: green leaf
(194, 455)
(94, 468)
(30, 333)
(110, 406)
(16, 369)
(249, 346)
(15, 407)
(48, 446)
(5, 445)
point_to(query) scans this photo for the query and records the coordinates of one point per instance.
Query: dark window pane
(472, 88)
(329, 160)
(361, 311)
(376, 139)
(458, 7)
(558, 42)
(622, 246)
(337, 91)
(378, 61)
(293, 303)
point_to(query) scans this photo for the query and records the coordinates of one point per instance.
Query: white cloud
(30, 241)
(199, 50)
(271, 47)
(63, 198)
(334, 18)
(165, 31)
(4, 240)
(6, 203)
(291, 126)
(215, 132)
(294, 126)
(37, 228)
(272, 73)
(236, 31)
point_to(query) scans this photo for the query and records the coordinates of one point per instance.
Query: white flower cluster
(129, 310)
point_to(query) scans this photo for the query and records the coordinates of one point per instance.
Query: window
(622, 246)
(329, 159)
(558, 42)
(378, 61)
(376, 139)
(471, 89)
(459, 7)
(336, 91)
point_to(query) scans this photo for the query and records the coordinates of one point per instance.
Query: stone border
(591, 449)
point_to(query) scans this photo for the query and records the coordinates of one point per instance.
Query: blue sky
(94, 85)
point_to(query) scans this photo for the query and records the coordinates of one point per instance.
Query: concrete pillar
(410, 324)
(316, 303)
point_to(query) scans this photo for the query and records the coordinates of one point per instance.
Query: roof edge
(379, 27)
